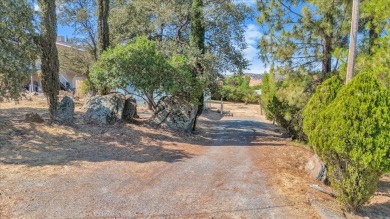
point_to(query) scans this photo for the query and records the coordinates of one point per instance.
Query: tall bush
(323, 96)
(355, 136)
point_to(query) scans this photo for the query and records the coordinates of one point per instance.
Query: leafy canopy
(141, 65)
(17, 49)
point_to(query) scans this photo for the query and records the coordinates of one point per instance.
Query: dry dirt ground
(232, 167)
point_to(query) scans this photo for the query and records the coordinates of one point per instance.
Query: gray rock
(316, 168)
(33, 117)
(87, 100)
(130, 109)
(106, 109)
(325, 211)
(65, 110)
(174, 113)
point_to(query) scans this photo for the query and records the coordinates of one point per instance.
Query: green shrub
(285, 99)
(353, 138)
(251, 97)
(86, 87)
(323, 96)
(236, 88)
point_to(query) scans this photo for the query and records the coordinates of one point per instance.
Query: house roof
(69, 46)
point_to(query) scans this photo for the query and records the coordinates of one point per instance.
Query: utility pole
(352, 41)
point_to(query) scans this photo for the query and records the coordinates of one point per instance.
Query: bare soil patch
(38, 152)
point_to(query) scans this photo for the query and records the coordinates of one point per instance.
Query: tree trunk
(49, 54)
(197, 39)
(327, 47)
(150, 101)
(326, 56)
(352, 41)
(373, 35)
(103, 31)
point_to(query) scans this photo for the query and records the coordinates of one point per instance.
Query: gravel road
(221, 182)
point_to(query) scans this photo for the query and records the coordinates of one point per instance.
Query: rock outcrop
(110, 108)
(316, 168)
(65, 110)
(174, 113)
(106, 109)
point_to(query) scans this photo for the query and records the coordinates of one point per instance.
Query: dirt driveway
(235, 167)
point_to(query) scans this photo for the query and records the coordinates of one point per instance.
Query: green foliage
(303, 33)
(143, 66)
(353, 138)
(236, 88)
(86, 87)
(74, 60)
(268, 92)
(81, 16)
(17, 49)
(139, 64)
(169, 23)
(182, 83)
(324, 95)
(285, 99)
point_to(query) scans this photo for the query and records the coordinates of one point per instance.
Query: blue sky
(252, 37)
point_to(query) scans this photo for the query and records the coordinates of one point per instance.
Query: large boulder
(130, 109)
(65, 110)
(106, 109)
(174, 113)
(316, 168)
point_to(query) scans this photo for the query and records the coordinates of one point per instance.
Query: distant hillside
(255, 78)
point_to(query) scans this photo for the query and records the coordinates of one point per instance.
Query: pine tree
(49, 54)
(302, 33)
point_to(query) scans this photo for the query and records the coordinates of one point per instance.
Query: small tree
(355, 136)
(141, 65)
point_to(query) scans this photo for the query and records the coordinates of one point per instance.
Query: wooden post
(32, 84)
(222, 106)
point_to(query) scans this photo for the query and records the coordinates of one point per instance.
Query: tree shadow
(18, 113)
(233, 132)
(41, 144)
(378, 210)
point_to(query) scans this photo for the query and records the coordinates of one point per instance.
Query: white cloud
(252, 37)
